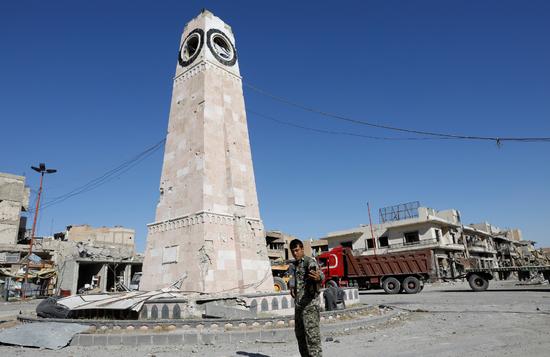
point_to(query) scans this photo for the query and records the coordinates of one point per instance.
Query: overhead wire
(106, 177)
(129, 164)
(334, 132)
(295, 104)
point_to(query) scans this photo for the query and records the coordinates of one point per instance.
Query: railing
(9, 257)
(422, 242)
(478, 244)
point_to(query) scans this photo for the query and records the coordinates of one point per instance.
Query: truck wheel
(391, 285)
(478, 283)
(279, 284)
(411, 285)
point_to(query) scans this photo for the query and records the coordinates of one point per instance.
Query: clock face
(191, 47)
(221, 47)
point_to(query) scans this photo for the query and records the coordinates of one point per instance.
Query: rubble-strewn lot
(443, 320)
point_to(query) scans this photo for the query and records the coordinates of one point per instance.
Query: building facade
(455, 246)
(97, 259)
(278, 246)
(14, 200)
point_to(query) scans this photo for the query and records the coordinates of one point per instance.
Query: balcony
(425, 243)
(480, 247)
(413, 245)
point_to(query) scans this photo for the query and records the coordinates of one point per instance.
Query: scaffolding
(399, 212)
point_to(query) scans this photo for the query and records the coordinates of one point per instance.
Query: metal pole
(24, 289)
(7, 288)
(42, 170)
(371, 230)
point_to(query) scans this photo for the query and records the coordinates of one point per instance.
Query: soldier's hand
(314, 275)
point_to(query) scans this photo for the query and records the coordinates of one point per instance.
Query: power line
(107, 176)
(333, 132)
(289, 102)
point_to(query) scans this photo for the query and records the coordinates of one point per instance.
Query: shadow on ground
(251, 354)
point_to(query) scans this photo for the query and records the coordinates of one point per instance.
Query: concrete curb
(228, 324)
(213, 337)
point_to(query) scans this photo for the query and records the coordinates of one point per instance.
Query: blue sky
(85, 86)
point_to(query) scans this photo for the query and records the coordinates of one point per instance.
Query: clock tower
(207, 234)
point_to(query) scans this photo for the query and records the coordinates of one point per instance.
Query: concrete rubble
(194, 305)
(80, 259)
(50, 335)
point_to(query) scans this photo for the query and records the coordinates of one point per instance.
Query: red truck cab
(332, 265)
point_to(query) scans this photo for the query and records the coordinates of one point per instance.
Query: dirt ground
(443, 320)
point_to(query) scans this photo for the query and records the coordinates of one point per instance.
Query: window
(412, 238)
(170, 254)
(369, 243)
(347, 244)
(383, 241)
(437, 234)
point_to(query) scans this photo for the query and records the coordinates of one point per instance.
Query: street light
(41, 169)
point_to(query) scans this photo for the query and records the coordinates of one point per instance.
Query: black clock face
(221, 47)
(191, 47)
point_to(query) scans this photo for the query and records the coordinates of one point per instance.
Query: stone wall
(260, 304)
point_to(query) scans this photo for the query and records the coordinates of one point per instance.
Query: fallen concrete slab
(217, 310)
(50, 335)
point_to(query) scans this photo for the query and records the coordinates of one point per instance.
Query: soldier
(305, 291)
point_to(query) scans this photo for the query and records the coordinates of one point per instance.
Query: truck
(478, 278)
(394, 272)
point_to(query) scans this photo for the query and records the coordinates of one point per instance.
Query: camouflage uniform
(306, 308)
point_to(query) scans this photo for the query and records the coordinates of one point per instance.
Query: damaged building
(455, 246)
(94, 259)
(81, 259)
(14, 203)
(278, 246)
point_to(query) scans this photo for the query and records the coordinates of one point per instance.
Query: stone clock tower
(207, 233)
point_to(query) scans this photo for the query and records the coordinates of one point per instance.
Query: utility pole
(41, 169)
(371, 230)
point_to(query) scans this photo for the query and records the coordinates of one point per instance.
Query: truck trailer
(478, 278)
(395, 272)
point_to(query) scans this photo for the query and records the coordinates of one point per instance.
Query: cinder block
(114, 340)
(222, 338)
(190, 338)
(235, 337)
(143, 340)
(158, 340)
(85, 340)
(100, 340)
(176, 339)
(276, 335)
(129, 340)
(253, 335)
(208, 338)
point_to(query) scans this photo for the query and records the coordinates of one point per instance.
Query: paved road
(502, 296)
(9, 310)
(452, 320)
(443, 320)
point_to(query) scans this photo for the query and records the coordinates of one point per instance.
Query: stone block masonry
(207, 236)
